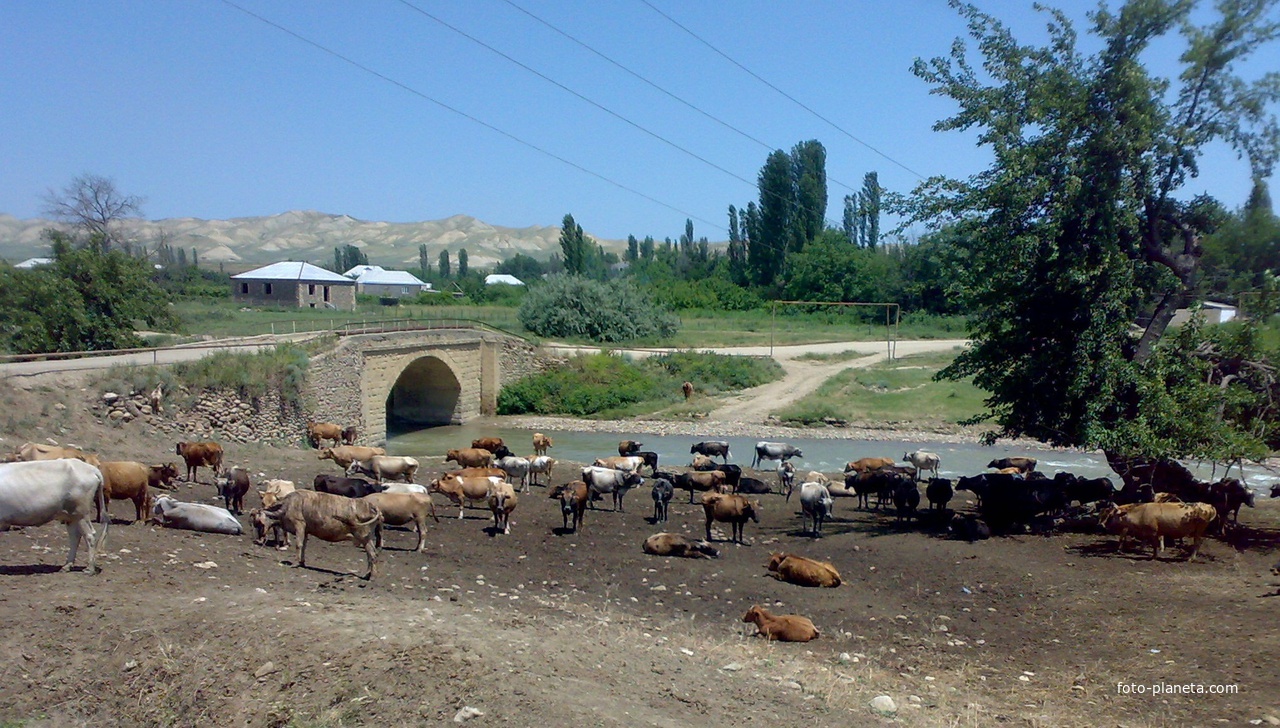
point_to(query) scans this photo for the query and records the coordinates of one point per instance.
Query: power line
(605, 109)
(658, 88)
(793, 99)
(465, 115)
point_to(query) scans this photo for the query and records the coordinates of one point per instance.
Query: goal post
(892, 317)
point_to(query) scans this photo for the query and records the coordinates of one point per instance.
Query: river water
(825, 455)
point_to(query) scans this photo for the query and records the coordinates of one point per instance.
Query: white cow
(516, 468)
(405, 488)
(923, 461)
(815, 501)
(35, 493)
(540, 465)
(172, 513)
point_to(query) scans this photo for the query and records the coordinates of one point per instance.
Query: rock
(205, 565)
(265, 669)
(884, 704)
(732, 667)
(131, 664)
(914, 698)
(110, 397)
(465, 714)
(1271, 720)
(59, 406)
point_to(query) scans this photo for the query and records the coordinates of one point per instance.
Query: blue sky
(210, 113)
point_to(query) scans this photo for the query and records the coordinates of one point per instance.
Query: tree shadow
(1244, 538)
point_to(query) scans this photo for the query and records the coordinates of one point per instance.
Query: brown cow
(687, 389)
(1023, 464)
(461, 491)
(399, 509)
(475, 457)
(732, 509)
(802, 571)
(127, 480)
(492, 444)
(306, 513)
(866, 465)
(715, 480)
(541, 443)
(502, 501)
(781, 627)
(573, 499)
(347, 454)
(318, 432)
(673, 544)
(629, 447)
(162, 476)
(33, 451)
(196, 454)
(480, 473)
(1155, 521)
(349, 435)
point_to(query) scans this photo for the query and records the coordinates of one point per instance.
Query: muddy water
(825, 455)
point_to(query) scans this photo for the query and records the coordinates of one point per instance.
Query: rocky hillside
(312, 236)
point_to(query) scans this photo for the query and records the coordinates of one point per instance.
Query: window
(311, 289)
(326, 293)
(266, 288)
(404, 290)
(244, 288)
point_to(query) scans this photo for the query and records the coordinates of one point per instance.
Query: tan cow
(673, 544)
(461, 491)
(196, 454)
(502, 501)
(306, 513)
(625, 463)
(1155, 521)
(541, 443)
(472, 457)
(318, 432)
(866, 465)
(344, 455)
(802, 571)
(389, 467)
(781, 627)
(127, 480)
(540, 465)
(273, 491)
(33, 451)
(732, 509)
(399, 509)
(480, 473)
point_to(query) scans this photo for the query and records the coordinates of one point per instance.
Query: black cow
(969, 527)
(650, 460)
(732, 475)
(753, 486)
(939, 493)
(1085, 490)
(663, 491)
(232, 486)
(348, 487)
(712, 449)
(906, 498)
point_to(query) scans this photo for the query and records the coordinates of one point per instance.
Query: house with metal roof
(502, 279)
(30, 263)
(389, 283)
(360, 270)
(292, 284)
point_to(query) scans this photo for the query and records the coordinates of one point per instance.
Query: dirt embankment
(584, 629)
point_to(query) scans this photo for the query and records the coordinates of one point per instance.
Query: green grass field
(890, 392)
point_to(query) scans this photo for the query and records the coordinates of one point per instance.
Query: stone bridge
(415, 378)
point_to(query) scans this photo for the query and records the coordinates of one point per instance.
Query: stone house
(292, 284)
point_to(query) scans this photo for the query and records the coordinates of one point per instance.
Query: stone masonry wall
(220, 415)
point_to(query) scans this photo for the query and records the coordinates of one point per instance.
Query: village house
(292, 284)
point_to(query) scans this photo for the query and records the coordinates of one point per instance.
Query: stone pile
(221, 415)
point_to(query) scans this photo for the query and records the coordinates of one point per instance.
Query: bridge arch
(427, 392)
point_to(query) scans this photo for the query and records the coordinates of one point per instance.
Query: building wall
(383, 290)
(341, 297)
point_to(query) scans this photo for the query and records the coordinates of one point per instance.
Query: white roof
(360, 270)
(33, 262)
(293, 271)
(502, 278)
(380, 277)
(1214, 304)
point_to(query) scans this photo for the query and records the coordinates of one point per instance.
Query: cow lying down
(802, 571)
(172, 513)
(673, 544)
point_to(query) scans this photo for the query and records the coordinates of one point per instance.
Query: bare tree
(92, 204)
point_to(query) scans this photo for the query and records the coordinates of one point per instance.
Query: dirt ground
(585, 629)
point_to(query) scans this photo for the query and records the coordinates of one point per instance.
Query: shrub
(585, 385)
(713, 373)
(251, 375)
(575, 307)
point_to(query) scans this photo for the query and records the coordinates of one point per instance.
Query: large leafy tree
(1075, 230)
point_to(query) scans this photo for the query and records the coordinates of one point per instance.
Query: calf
(345, 487)
(173, 513)
(208, 454)
(318, 432)
(673, 544)
(470, 458)
(305, 513)
(383, 467)
(273, 490)
(162, 476)
(712, 449)
(662, 493)
(699, 482)
(801, 571)
(939, 493)
(463, 490)
(969, 527)
(781, 627)
(35, 493)
(502, 501)
(1155, 521)
(786, 478)
(629, 447)
(541, 443)
(233, 484)
(265, 530)
(347, 454)
(349, 435)
(127, 480)
(906, 499)
(573, 499)
(752, 486)
(399, 509)
(815, 503)
(774, 451)
(735, 510)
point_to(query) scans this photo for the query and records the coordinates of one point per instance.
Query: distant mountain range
(311, 236)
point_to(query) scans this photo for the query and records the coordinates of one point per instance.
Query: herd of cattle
(43, 483)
